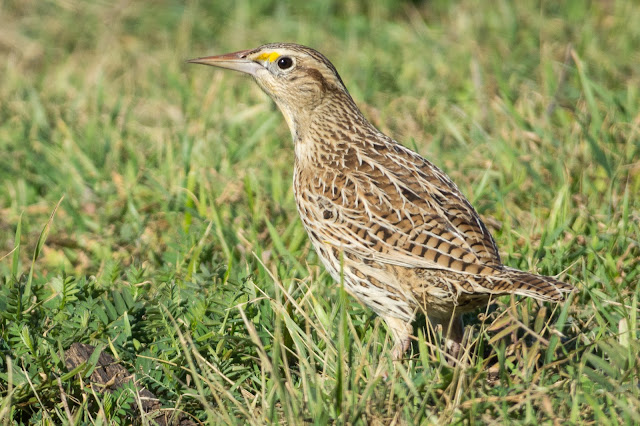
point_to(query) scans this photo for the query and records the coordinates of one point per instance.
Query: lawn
(146, 210)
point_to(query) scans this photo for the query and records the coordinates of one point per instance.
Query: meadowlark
(384, 220)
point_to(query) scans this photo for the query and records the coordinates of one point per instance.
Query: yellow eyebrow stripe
(268, 56)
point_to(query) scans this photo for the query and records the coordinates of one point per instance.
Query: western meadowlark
(389, 223)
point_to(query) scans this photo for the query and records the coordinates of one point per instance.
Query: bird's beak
(237, 61)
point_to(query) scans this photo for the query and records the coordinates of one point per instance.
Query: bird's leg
(453, 332)
(401, 331)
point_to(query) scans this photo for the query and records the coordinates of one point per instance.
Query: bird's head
(296, 77)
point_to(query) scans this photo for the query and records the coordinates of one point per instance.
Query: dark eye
(285, 62)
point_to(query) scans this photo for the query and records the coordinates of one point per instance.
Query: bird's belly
(370, 283)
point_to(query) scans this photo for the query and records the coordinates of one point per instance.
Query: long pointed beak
(236, 61)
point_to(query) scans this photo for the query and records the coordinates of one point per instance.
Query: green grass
(176, 245)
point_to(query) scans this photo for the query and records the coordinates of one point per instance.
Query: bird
(383, 220)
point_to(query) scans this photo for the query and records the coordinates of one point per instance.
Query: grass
(146, 209)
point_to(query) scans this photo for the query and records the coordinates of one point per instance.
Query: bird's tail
(537, 286)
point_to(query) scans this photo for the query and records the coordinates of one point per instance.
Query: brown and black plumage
(389, 223)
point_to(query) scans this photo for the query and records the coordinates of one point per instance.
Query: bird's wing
(395, 207)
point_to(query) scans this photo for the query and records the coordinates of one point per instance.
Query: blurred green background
(177, 215)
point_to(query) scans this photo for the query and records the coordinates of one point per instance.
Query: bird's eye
(285, 62)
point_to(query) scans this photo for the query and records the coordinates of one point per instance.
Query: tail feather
(537, 286)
